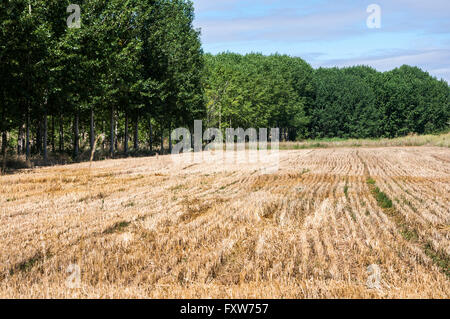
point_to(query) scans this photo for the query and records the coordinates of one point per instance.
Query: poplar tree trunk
(103, 139)
(162, 141)
(27, 142)
(39, 136)
(61, 133)
(19, 140)
(151, 136)
(126, 134)
(76, 147)
(92, 131)
(112, 136)
(4, 142)
(136, 133)
(116, 132)
(170, 139)
(44, 138)
(53, 134)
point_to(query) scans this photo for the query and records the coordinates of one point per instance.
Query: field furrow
(149, 228)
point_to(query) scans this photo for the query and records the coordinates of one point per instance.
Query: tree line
(254, 90)
(132, 71)
(135, 70)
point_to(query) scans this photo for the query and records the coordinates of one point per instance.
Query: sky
(331, 33)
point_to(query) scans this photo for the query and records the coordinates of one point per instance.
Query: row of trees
(136, 69)
(132, 64)
(258, 91)
(358, 102)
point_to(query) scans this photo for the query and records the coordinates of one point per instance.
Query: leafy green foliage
(257, 91)
(345, 104)
(355, 102)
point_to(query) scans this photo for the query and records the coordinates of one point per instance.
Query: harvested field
(332, 223)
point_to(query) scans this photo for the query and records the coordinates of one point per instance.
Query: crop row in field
(140, 228)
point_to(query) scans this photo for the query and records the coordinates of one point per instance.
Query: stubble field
(331, 223)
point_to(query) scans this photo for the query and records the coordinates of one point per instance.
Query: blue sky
(332, 32)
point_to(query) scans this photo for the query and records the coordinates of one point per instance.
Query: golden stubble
(146, 228)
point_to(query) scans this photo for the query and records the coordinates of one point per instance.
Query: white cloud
(436, 62)
(284, 26)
